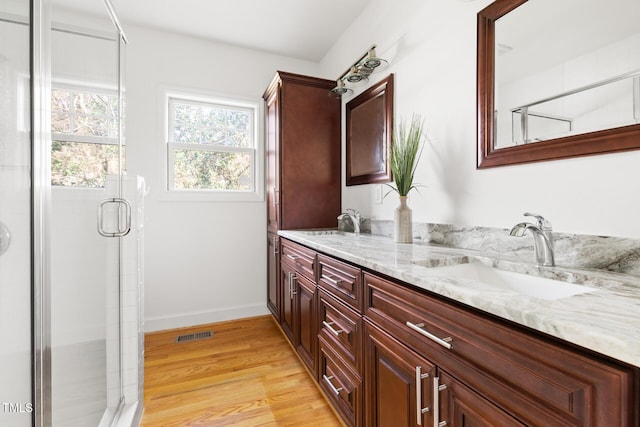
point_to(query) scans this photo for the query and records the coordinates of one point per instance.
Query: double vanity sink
(594, 309)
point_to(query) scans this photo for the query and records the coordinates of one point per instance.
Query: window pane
(60, 101)
(186, 114)
(91, 125)
(238, 120)
(237, 138)
(60, 123)
(212, 170)
(78, 164)
(211, 124)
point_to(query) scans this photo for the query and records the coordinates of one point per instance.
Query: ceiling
(303, 29)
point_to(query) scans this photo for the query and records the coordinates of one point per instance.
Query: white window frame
(256, 153)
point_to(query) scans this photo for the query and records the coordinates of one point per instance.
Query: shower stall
(70, 220)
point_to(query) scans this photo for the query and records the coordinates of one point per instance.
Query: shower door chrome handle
(121, 231)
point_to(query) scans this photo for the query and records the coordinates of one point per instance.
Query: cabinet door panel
(287, 298)
(394, 394)
(306, 308)
(462, 407)
(273, 274)
(272, 154)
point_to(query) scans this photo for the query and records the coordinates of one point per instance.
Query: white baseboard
(153, 324)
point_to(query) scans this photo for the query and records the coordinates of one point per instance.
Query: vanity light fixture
(358, 73)
(340, 89)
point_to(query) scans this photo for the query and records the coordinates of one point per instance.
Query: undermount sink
(525, 284)
(329, 232)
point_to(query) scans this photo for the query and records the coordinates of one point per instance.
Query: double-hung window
(212, 145)
(84, 135)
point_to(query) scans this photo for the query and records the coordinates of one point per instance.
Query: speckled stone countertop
(606, 320)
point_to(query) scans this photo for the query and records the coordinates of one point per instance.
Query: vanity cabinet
(298, 295)
(303, 160)
(390, 354)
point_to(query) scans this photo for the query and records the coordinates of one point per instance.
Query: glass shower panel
(85, 265)
(16, 406)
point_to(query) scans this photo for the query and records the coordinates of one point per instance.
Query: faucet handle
(354, 212)
(542, 223)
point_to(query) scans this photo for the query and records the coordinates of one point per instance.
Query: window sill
(209, 196)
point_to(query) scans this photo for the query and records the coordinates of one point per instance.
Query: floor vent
(194, 337)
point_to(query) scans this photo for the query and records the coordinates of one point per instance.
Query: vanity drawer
(341, 385)
(302, 259)
(538, 381)
(342, 280)
(341, 327)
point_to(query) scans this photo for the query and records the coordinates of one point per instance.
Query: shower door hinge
(123, 219)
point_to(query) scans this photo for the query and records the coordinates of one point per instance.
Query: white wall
(204, 261)
(432, 49)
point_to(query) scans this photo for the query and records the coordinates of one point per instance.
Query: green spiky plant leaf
(406, 148)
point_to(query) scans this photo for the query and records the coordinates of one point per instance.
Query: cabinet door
(287, 299)
(306, 317)
(273, 159)
(273, 274)
(398, 389)
(460, 406)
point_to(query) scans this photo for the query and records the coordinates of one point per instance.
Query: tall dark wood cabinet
(303, 164)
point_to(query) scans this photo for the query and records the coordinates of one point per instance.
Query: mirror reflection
(562, 70)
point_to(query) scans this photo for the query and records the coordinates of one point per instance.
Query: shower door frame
(41, 208)
(40, 26)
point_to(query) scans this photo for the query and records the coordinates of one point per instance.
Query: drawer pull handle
(335, 281)
(329, 326)
(419, 409)
(331, 386)
(437, 388)
(445, 342)
(294, 258)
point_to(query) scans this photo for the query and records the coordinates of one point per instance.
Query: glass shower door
(87, 214)
(16, 406)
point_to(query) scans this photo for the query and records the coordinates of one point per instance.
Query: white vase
(403, 222)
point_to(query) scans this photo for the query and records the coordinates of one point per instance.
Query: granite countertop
(606, 320)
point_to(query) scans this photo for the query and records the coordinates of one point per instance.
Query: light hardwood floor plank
(245, 375)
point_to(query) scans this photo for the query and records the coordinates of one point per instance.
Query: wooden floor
(245, 375)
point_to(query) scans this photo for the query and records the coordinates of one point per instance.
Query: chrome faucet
(542, 238)
(354, 216)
